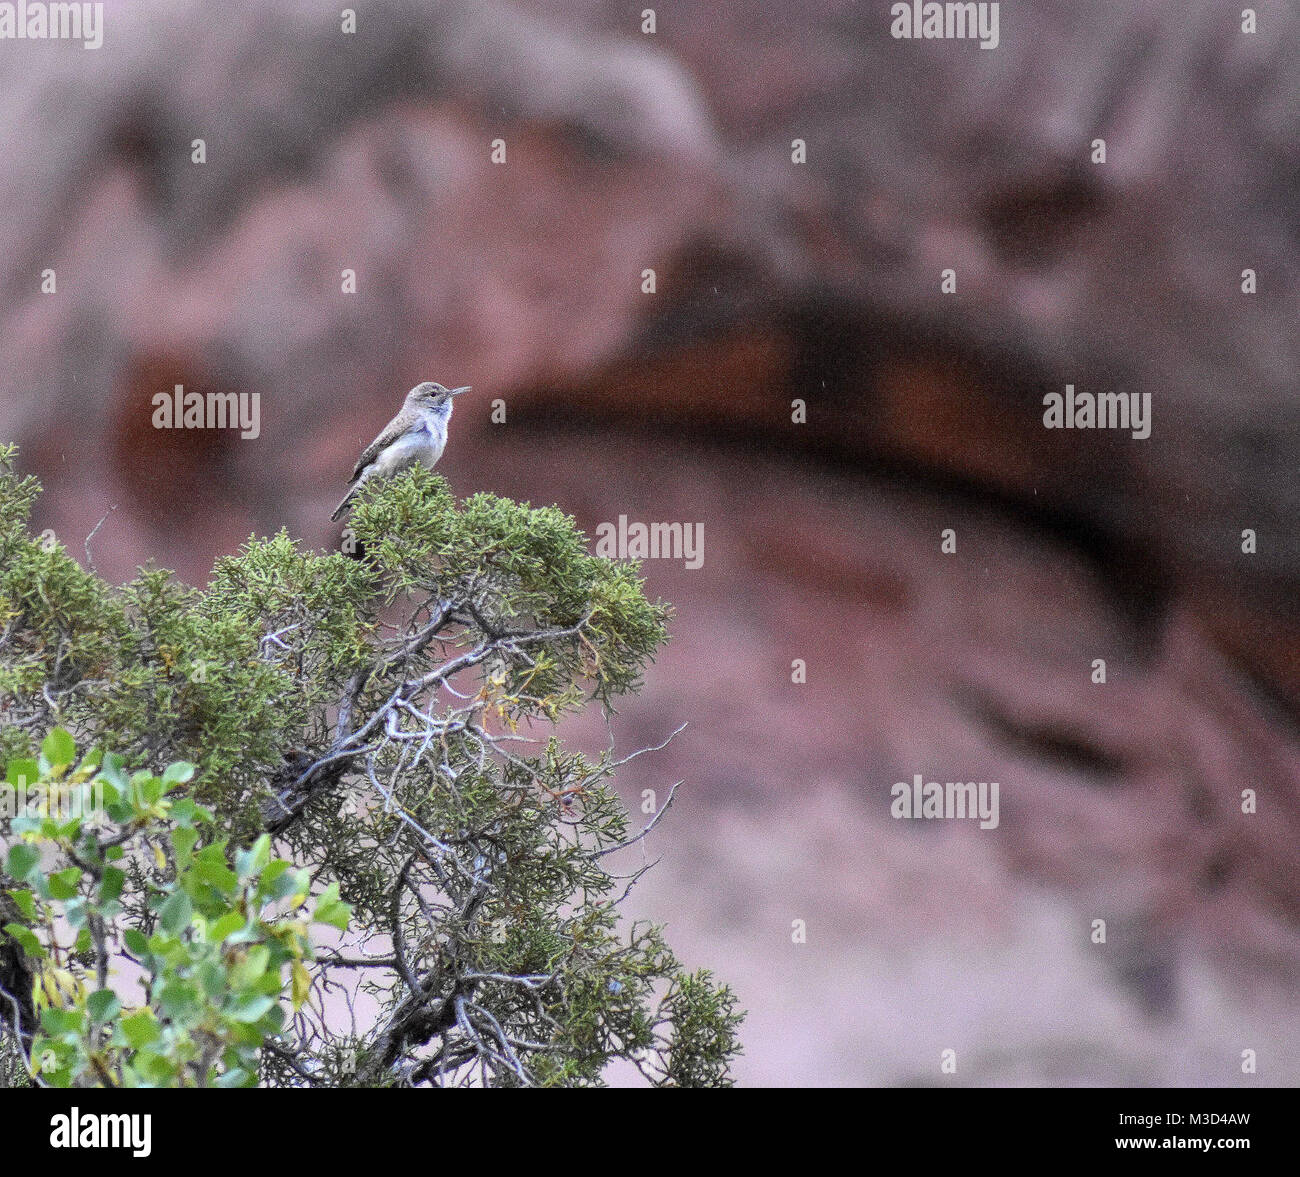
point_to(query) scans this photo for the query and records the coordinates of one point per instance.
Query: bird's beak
(458, 391)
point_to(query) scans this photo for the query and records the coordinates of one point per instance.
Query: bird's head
(431, 395)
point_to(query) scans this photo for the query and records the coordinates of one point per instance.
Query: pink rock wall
(774, 281)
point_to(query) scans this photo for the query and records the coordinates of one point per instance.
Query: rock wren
(418, 434)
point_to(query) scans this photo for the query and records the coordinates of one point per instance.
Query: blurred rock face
(774, 282)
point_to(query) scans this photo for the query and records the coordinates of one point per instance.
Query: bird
(417, 435)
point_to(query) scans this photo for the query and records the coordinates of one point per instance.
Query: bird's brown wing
(392, 431)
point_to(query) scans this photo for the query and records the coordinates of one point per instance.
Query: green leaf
(179, 1000)
(23, 857)
(331, 910)
(284, 883)
(112, 772)
(300, 980)
(58, 748)
(274, 870)
(26, 903)
(26, 939)
(70, 831)
(249, 1007)
(63, 883)
(137, 942)
(247, 972)
(178, 773)
(103, 1004)
(186, 812)
(232, 921)
(210, 867)
(174, 916)
(23, 773)
(250, 862)
(213, 978)
(140, 1028)
(57, 1021)
(146, 789)
(152, 1069)
(111, 884)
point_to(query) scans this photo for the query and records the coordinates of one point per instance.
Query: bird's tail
(343, 506)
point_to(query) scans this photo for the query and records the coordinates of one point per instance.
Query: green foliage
(372, 740)
(211, 947)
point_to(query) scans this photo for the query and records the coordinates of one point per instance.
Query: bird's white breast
(419, 445)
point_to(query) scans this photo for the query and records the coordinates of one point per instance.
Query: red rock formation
(775, 281)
